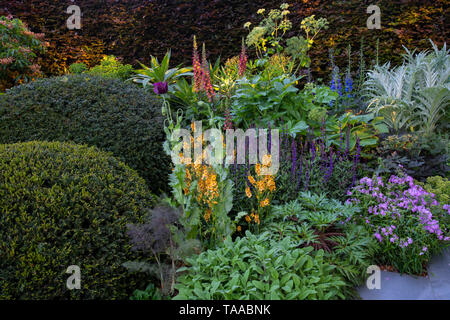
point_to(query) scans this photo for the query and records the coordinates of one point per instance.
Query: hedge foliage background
(135, 29)
(64, 204)
(113, 115)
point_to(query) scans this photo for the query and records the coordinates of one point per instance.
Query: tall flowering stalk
(294, 158)
(347, 147)
(205, 193)
(299, 175)
(202, 78)
(308, 165)
(198, 71)
(356, 160)
(341, 139)
(242, 60)
(330, 167)
(348, 85)
(206, 78)
(228, 124)
(263, 186)
(269, 142)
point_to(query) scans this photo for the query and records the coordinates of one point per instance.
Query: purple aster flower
(378, 236)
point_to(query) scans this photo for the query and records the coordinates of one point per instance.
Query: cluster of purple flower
(306, 156)
(399, 196)
(305, 152)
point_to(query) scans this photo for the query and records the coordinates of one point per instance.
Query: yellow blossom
(248, 219)
(258, 169)
(248, 192)
(251, 179)
(261, 186)
(267, 159)
(207, 215)
(264, 203)
(270, 183)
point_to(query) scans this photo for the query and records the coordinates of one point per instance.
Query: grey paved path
(436, 286)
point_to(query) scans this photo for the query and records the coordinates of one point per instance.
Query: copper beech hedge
(136, 29)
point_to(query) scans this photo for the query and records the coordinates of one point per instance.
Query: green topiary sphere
(60, 205)
(110, 114)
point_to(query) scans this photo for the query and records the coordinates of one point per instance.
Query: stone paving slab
(436, 286)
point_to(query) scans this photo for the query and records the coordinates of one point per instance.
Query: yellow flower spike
(258, 169)
(267, 160)
(260, 185)
(248, 192)
(207, 215)
(239, 228)
(252, 180)
(181, 158)
(248, 219)
(257, 219)
(271, 185)
(264, 203)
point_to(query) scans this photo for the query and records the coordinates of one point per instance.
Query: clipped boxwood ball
(110, 114)
(60, 205)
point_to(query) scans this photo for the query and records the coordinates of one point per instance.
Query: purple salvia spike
(269, 147)
(294, 159)
(340, 140)
(299, 178)
(330, 168)
(347, 148)
(307, 176)
(313, 150)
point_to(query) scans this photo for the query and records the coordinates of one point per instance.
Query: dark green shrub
(60, 205)
(418, 156)
(112, 115)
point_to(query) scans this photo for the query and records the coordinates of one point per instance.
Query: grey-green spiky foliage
(414, 95)
(314, 220)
